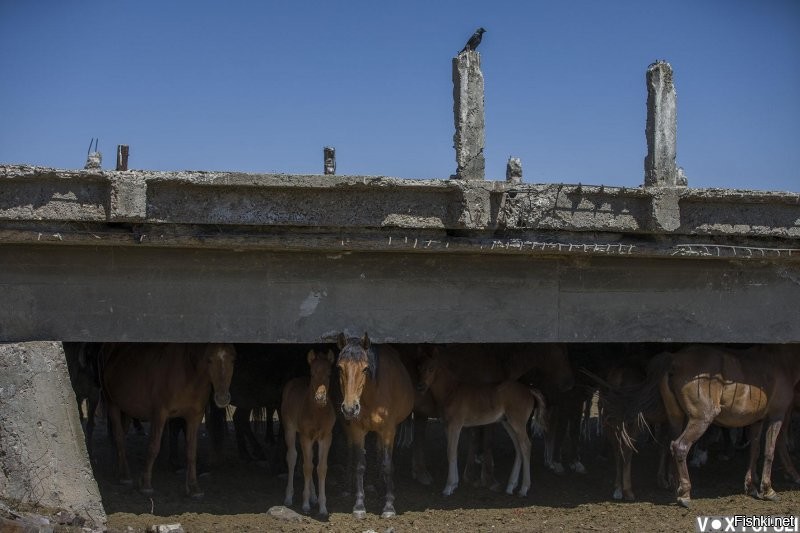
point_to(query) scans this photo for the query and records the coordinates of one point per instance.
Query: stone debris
(166, 528)
(284, 513)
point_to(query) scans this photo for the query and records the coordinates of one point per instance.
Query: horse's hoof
(685, 502)
(617, 494)
(449, 490)
(388, 512)
(495, 487)
(629, 497)
(423, 478)
(125, 481)
(522, 493)
(197, 496)
(577, 467)
(770, 496)
(306, 508)
(287, 502)
(359, 514)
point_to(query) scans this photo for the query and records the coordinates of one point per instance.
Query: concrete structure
(661, 131)
(469, 139)
(195, 256)
(43, 459)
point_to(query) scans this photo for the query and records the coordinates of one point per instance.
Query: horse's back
(394, 388)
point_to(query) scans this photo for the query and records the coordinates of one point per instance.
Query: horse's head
(320, 366)
(220, 359)
(356, 365)
(428, 368)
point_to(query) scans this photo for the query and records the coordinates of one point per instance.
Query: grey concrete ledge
(358, 203)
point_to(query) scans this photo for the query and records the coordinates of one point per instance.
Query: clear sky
(263, 86)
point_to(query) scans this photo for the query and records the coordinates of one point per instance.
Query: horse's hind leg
(754, 435)
(323, 446)
(307, 444)
(453, 432)
(192, 486)
(153, 446)
(513, 477)
(773, 430)
(680, 450)
(115, 419)
(289, 436)
(782, 448)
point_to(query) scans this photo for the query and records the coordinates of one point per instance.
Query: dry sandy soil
(237, 496)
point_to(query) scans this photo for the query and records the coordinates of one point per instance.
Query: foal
(467, 405)
(305, 409)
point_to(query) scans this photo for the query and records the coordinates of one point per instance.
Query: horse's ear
(365, 342)
(311, 355)
(341, 340)
(330, 355)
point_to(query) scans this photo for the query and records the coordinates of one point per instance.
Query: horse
(305, 409)
(82, 366)
(543, 366)
(700, 385)
(377, 395)
(468, 405)
(159, 381)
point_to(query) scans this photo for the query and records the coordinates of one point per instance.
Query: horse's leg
(191, 427)
(487, 459)
(307, 444)
(387, 469)
(324, 444)
(91, 407)
(453, 432)
(513, 477)
(419, 469)
(357, 436)
(471, 461)
(782, 447)
(754, 435)
(115, 418)
(153, 446)
(773, 430)
(680, 450)
(241, 422)
(290, 436)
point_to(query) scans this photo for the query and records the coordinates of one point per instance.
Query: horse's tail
(627, 408)
(405, 433)
(539, 414)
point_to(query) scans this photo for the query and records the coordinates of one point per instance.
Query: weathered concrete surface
(206, 256)
(661, 129)
(43, 458)
(468, 111)
(201, 295)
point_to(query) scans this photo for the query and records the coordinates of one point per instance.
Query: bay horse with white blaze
(377, 396)
(306, 410)
(468, 405)
(156, 382)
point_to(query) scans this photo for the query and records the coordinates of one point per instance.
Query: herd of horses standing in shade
(672, 397)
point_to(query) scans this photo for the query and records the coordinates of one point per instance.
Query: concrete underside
(79, 293)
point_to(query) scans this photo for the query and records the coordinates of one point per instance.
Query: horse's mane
(626, 408)
(353, 350)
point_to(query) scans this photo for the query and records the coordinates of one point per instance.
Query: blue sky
(263, 86)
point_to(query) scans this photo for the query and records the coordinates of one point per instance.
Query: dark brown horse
(377, 396)
(307, 411)
(468, 405)
(160, 381)
(701, 385)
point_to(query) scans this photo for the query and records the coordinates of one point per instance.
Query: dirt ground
(238, 494)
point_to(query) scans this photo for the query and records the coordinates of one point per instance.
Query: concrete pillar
(122, 157)
(43, 457)
(514, 170)
(469, 138)
(660, 169)
(329, 160)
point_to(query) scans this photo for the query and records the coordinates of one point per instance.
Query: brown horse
(701, 385)
(305, 409)
(544, 366)
(377, 396)
(468, 405)
(160, 381)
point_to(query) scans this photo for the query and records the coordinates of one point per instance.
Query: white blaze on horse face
(352, 378)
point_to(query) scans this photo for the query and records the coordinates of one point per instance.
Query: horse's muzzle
(422, 388)
(222, 399)
(351, 412)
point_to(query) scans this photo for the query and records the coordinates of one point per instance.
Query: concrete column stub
(660, 169)
(468, 112)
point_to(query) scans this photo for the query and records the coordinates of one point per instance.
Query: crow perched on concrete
(474, 41)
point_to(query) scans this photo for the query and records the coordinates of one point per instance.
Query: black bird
(474, 41)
